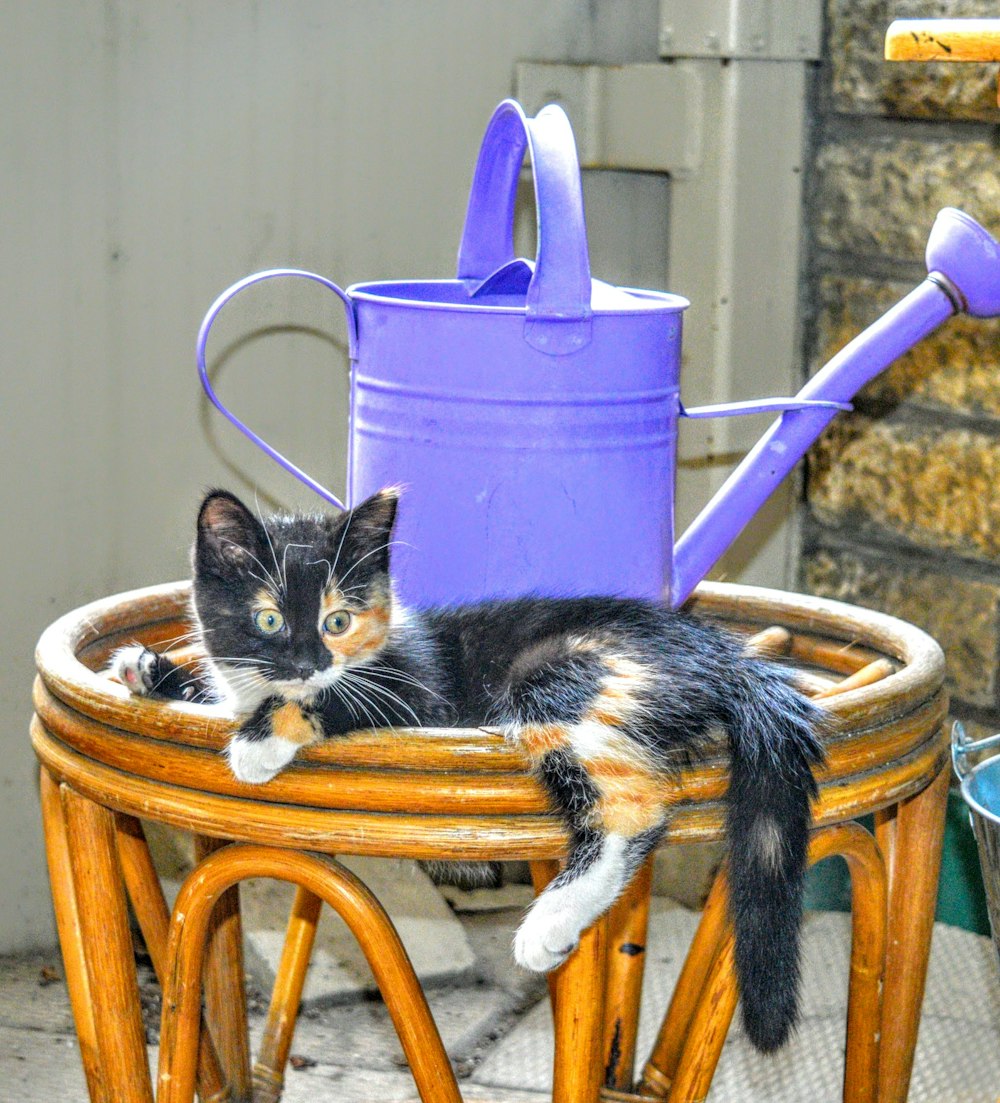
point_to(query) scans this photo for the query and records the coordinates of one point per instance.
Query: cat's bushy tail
(774, 741)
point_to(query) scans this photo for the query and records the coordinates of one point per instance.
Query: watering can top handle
(560, 287)
(202, 343)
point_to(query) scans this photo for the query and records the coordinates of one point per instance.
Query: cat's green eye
(269, 621)
(336, 624)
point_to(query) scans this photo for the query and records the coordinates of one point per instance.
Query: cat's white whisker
(353, 693)
(357, 563)
(284, 561)
(404, 678)
(271, 584)
(326, 690)
(175, 641)
(213, 657)
(365, 699)
(387, 693)
(270, 544)
(329, 570)
(343, 537)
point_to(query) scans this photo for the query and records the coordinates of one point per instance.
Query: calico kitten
(608, 697)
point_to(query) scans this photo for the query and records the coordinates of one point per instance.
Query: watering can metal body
(524, 471)
(531, 412)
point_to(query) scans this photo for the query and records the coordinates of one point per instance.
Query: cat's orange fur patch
(368, 631)
(289, 722)
(618, 699)
(263, 599)
(632, 799)
(602, 716)
(626, 675)
(539, 739)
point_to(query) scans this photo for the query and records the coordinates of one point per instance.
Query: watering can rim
(961, 745)
(966, 782)
(662, 302)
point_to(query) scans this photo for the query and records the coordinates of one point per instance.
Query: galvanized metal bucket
(981, 792)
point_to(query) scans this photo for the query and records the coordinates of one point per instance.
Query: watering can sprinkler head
(968, 259)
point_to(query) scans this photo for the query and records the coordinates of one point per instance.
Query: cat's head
(285, 603)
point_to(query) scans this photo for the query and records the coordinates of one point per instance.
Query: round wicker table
(110, 761)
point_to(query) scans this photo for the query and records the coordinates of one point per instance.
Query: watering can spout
(963, 263)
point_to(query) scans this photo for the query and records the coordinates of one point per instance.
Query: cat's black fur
(608, 696)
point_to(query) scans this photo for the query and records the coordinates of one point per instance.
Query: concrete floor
(496, 1026)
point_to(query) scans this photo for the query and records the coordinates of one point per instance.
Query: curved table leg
(661, 1068)
(915, 862)
(868, 944)
(369, 924)
(690, 1040)
(225, 979)
(151, 911)
(107, 946)
(709, 1026)
(70, 935)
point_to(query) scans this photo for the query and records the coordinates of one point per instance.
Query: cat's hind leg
(575, 709)
(596, 872)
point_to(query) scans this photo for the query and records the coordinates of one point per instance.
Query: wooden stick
(866, 676)
(771, 641)
(869, 890)
(916, 862)
(664, 1060)
(579, 1019)
(225, 983)
(943, 40)
(269, 1069)
(707, 1033)
(107, 943)
(627, 925)
(70, 935)
(150, 907)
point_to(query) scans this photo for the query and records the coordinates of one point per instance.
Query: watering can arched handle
(558, 300)
(200, 346)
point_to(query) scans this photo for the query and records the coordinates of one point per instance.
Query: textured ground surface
(497, 1028)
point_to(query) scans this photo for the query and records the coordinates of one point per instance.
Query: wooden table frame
(110, 761)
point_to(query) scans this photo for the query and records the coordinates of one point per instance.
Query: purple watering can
(531, 411)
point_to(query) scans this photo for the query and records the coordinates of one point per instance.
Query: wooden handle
(943, 40)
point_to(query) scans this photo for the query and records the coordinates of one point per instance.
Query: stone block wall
(903, 495)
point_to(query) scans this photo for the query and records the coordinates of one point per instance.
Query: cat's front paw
(546, 937)
(258, 760)
(136, 668)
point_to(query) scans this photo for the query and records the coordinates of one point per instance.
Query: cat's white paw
(546, 937)
(258, 760)
(135, 668)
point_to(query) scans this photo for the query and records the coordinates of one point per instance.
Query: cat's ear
(363, 535)
(228, 533)
(377, 515)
